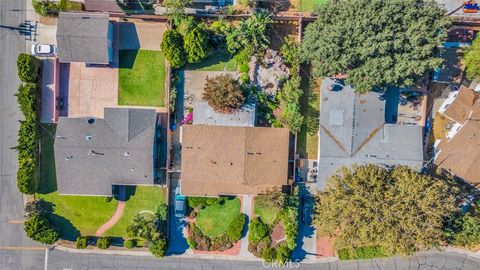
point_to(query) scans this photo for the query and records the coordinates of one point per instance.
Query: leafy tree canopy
(39, 229)
(172, 47)
(250, 33)
(176, 9)
(398, 210)
(223, 93)
(375, 42)
(197, 46)
(472, 60)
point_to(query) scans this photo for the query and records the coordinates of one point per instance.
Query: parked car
(308, 204)
(44, 50)
(180, 206)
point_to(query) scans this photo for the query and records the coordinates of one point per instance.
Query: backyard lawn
(307, 140)
(266, 214)
(309, 5)
(140, 198)
(219, 61)
(213, 220)
(141, 78)
(72, 214)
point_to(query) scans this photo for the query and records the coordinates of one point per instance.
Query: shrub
(173, 99)
(108, 198)
(38, 207)
(269, 254)
(196, 45)
(234, 230)
(243, 58)
(282, 254)
(45, 7)
(273, 198)
(173, 48)
(82, 242)
(257, 230)
(39, 229)
(464, 229)
(27, 148)
(191, 243)
(361, 253)
(144, 227)
(130, 243)
(290, 51)
(289, 218)
(28, 96)
(158, 248)
(223, 93)
(200, 202)
(250, 32)
(28, 68)
(103, 242)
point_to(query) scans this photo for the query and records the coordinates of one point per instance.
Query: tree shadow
(127, 58)
(65, 226)
(221, 56)
(304, 230)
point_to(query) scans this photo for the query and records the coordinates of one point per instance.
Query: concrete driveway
(135, 35)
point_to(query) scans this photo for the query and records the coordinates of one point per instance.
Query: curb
(183, 256)
(475, 255)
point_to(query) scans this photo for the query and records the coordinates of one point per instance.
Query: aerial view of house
(240, 134)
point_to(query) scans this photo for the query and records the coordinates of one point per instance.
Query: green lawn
(309, 5)
(141, 198)
(266, 214)
(307, 140)
(213, 220)
(218, 61)
(141, 78)
(73, 215)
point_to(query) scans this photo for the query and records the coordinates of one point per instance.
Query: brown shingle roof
(461, 154)
(461, 107)
(220, 160)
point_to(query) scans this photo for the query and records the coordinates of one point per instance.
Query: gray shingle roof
(203, 114)
(118, 149)
(83, 37)
(353, 131)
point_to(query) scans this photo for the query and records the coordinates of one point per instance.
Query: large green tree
(172, 47)
(472, 60)
(223, 93)
(39, 229)
(176, 9)
(197, 46)
(376, 43)
(398, 210)
(250, 33)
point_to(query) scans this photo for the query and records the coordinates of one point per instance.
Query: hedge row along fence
(28, 98)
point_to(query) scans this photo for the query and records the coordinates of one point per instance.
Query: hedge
(39, 229)
(158, 248)
(28, 68)
(194, 202)
(28, 98)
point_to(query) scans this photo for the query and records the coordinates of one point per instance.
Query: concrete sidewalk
(247, 209)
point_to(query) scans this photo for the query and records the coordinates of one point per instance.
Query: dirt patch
(441, 126)
(278, 31)
(47, 20)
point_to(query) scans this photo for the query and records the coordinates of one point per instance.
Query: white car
(44, 50)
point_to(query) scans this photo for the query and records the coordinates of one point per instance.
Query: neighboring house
(354, 130)
(459, 151)
(103, 6)
(85, 38)
(215, 2)
(93, 154)
(204, 114)
(221, 160)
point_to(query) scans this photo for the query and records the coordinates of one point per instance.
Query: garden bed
(307, 138)
(216, 223)
(141, 78)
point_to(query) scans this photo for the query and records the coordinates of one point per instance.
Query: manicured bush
(145, 227)
(82, 242)
(173, 48)
(289, 218)
(130, 243)
(28, 68)
(194, 202)
(108, 198)
(39, 229)
(158, 248)
(234, 230)
(196, 45)
(103, 242)
(27, 148)
(45, 7)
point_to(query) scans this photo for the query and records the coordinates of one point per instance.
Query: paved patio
(90, 89)
(136, 35)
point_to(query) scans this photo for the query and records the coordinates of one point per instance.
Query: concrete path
(117, 215)
(247, 209)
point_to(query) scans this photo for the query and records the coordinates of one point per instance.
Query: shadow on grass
(65, 226)
(309, 108)
(48, 177)
(127, 58)
(218, 61)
